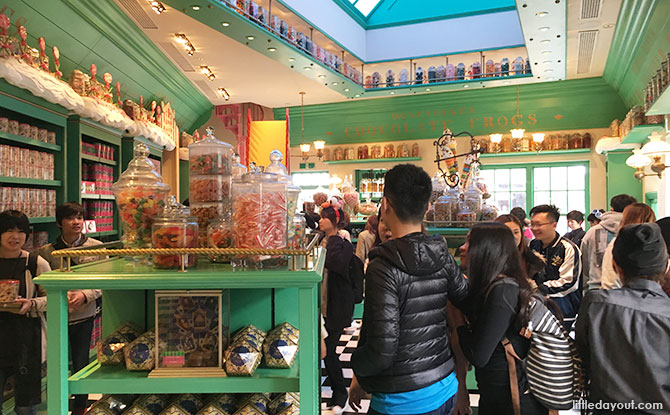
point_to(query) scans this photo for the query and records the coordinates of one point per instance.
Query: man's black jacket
(404, 343)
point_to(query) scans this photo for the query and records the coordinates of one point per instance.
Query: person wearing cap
(622, 335)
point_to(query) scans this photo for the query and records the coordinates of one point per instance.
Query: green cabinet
(263, 298)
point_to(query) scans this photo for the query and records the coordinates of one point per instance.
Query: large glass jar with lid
(140, 195)
(292, 190)
(472, 197)
(438, 185)
(465, 217)
(446, 207)
(220, 235)
(174, 228)
(210, 180)
(296, 233)
(259, 219)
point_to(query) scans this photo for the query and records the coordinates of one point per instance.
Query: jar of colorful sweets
(175, 228)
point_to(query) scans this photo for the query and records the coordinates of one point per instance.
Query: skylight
(364, 6)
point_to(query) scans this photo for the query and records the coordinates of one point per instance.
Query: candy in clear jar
(338, 154)
(472, 197)
(292, 191)
(489, 69)
(446, 208)
(175, 228)
(419, 76)
(389, 152)
(140, 195)
(210, 156)
(363, 152)
(504, 67)
(431, 74)
(376, 79)
(220, 235)
(441, 73)
(460, 71)
(390, 78)
(489, 212)
(376, 152)
(465, 216)
(415, 150)
(349, 153)
(476, 70)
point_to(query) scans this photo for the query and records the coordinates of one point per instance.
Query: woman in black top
(498, 299)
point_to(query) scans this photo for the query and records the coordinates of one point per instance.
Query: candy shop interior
(198, 140)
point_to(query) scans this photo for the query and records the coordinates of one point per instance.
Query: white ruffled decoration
(40, 83)
(45, 85)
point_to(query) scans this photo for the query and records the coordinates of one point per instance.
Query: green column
(620, 177)
(57, 352)
(309, 372)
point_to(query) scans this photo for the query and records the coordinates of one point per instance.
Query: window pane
(518, 179)
(576, 177)
(541, 178)
(366, 6)
(519, 199)
(562, 227)
(559, 178)
(560, 199)
(502, 202)
(576, 201)
(501, 180)
(488, 177)
(542, 198)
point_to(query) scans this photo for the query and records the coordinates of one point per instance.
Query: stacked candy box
(110, 349)
(139, 354)
(244, 353)
(280, 347)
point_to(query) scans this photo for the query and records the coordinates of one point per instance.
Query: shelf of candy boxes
(26, 163)
(258, 14)
(97, 179)
(27, 131)
(98, 150)
(198, 404)
(101, 212)
(248, 347)
(450, 73)
(33, 202)
(36, 240)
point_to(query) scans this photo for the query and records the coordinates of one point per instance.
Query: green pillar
(620, 177)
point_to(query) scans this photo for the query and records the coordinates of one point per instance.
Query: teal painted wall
(620, 177)
(101, 33)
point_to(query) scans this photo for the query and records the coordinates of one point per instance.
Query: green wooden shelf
(662, 104)
(98, 159)
(534, 153)
(448, 231)
(36, 182)
(46, 219)
(117, 379)
(640, 133)
(29, 141)
(399, 159)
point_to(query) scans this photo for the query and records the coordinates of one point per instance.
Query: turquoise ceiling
(383, 13)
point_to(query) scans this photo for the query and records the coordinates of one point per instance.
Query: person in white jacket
(81, 303)
(632, 214)
(22, 328)
(594, 244)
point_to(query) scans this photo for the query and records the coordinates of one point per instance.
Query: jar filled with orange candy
(259, 219)
(220, 235)
(210, 180)
(376, 152)
(389, 152)
(140, 196)
(338, 154)
(363, 152)
(175, 228)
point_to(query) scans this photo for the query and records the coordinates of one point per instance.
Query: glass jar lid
(141, 172)
(174, 211)
(210, 143)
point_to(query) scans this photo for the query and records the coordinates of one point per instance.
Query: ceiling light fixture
(545, 41)
(321, 76)
(334, 83)
(392, 92)
(291, 59)
(195, 7)
(157, 7)
(346, 89)
(466, 86)
(250, 37)
(357, 96)
(183, 40)
(541, 14)
(272, 49)
(427, 89)
(546, 62)
(225, 24)
(307, 68)
(207, 72)
(224, 94)
(543, 28)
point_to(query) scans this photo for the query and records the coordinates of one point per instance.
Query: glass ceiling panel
(366, 6)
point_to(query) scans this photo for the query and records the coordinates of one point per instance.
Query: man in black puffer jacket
(403, 357)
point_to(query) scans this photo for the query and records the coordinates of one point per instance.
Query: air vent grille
(206, 88)
(138, 14)
(586, 42)
(590, 9)
(176, 56)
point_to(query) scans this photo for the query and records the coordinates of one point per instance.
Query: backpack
(553, 367)
(32, 264)
(357, 276)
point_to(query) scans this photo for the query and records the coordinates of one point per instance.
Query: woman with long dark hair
(531, 261)
(497, 309)
(337, 295)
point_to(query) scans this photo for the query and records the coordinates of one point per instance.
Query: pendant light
(517, 133)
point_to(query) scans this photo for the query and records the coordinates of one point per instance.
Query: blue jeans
(445, 409)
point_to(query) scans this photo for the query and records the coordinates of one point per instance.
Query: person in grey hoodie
(598, 237)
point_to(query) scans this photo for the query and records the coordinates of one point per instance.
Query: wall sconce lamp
(650, 155)
(496, 139)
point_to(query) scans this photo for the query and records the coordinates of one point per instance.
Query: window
(309, 182)
(566, 185)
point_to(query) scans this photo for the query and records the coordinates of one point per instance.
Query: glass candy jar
(438, 185)
(292, 190)
(210, 180)
(259, 219)
(489, 212)
(465, 216)
(174, 228)
(446, 208)
(220, 235)
(140, 195)
(296, 233)
(472, 197)
(238, 168)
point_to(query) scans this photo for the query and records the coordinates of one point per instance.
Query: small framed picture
(89, 226)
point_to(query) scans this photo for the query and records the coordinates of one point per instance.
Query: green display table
(262, 298)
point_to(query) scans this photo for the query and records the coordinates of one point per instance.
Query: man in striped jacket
(561, 278)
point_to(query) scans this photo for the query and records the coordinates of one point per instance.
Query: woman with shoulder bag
(499, 296)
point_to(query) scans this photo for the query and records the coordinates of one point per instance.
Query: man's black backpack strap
(32, 264)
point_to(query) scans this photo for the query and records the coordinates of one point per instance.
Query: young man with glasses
(561, 278)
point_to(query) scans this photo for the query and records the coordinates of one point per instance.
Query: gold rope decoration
(178, 251)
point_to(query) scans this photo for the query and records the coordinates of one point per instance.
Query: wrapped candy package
(174, 409)
(140, 353)
(283, 402)
(280, 348)
(152, 403)
(110, 348)
(244, 354)
(213, 409)
(226, 402)
(248, 409)
(112, 404)
(190, 402)
(259, 400)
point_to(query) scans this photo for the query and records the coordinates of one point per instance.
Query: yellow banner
(265, 136)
